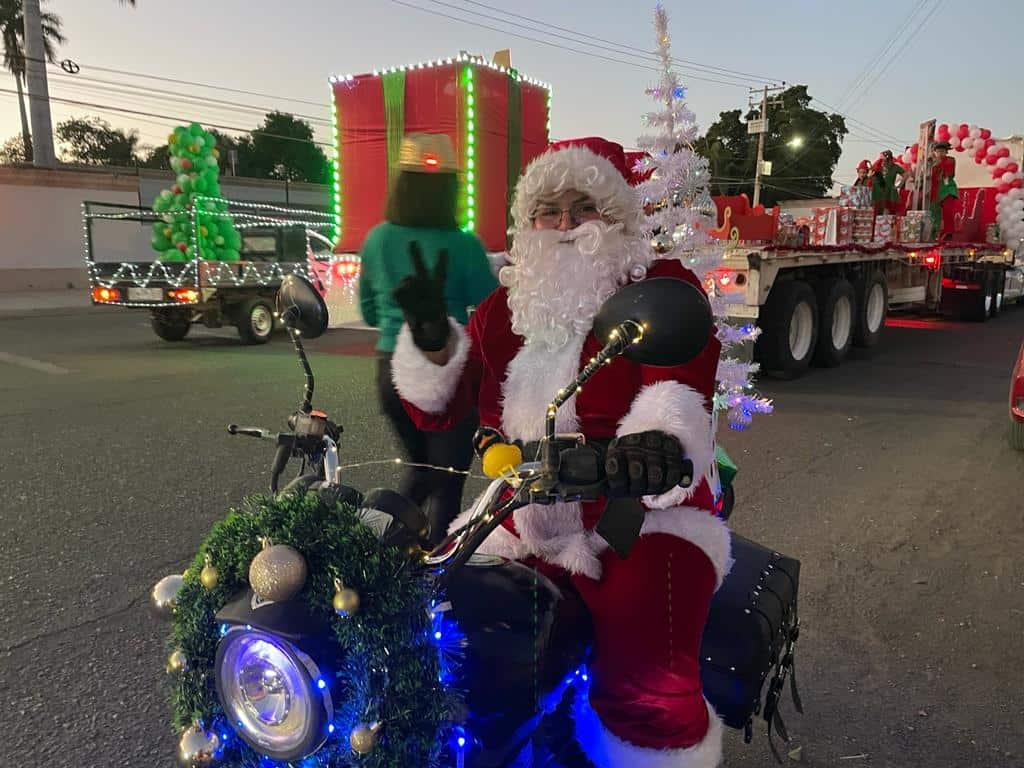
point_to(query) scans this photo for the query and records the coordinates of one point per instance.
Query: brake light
(104, 295)
(933, 260)
(431, 161)
(346, 269)
(948, 282)
(184, 295)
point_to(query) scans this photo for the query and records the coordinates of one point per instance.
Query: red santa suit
(646, 707)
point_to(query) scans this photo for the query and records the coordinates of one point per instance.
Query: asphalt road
(890, 478)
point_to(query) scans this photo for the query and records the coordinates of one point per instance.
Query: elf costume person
(944, 195)
(863, 174)
(577, 238)
(884, 193)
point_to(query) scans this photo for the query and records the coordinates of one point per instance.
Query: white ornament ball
(1002, 162)
(164, 597)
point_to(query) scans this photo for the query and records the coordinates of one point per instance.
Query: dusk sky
(962, 63)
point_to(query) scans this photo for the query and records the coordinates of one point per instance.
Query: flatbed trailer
(276, 242)
(813, 303)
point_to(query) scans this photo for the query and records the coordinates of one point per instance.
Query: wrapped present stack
(845, 218)
(863, 227)
(911, 227)
(819, 234)
(786, 235)
(885, 230)
(854, 197)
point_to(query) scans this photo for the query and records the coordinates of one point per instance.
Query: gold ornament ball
(346, 601)
(662, 243)
(164, 597)
(209, 576)
(198, 748)
(277, 573)
(177, 663)
(363, 738)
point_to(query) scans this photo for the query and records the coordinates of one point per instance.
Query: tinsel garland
(392, 671)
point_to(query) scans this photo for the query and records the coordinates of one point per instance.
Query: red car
(1017, 403)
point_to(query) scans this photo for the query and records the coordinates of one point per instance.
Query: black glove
(421, 297)
(646, 464)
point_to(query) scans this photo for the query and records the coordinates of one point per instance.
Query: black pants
(437, 492)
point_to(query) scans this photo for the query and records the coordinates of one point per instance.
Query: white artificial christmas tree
(684, 214)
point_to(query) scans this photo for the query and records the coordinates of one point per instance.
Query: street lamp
(796, 142)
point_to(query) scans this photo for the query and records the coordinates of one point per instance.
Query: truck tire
(789, 329)
(170, 324)
(998, 284)
(255, 321)
(837, 309)
(872, 297)
(978, 306)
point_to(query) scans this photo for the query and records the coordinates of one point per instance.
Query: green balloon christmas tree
(194, 158)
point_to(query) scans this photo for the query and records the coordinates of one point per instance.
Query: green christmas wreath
(393, 669)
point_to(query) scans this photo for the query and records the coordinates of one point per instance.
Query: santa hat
(594, 166)
(864, 165)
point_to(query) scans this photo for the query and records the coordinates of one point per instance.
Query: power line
(874, 60)
(176, 119)
(619, 48)
(897, 54)
(146, 89)
(555, 45)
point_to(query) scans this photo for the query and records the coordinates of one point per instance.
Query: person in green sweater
(420, 228)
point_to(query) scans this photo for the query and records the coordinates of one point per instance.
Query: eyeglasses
(550, 216)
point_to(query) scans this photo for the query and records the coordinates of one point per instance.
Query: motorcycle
(522, 641)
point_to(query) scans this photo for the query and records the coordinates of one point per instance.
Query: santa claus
(578, 238)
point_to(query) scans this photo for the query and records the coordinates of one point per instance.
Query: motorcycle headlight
(273, 693)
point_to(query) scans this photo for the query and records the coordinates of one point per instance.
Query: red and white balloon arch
(1007, 176)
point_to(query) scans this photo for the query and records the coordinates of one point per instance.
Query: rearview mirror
(301, 307)
(675, 315)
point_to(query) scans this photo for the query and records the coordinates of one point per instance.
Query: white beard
(558, 280)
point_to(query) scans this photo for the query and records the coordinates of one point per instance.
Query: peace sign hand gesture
(421, 297)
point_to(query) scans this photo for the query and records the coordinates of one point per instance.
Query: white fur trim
(532, 380)
(680, 411)
(699, 527)
(428, 386)
(579, 169)
(606, 750)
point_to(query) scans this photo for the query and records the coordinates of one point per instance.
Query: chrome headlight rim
(306, 690)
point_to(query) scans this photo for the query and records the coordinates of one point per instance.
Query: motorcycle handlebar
(234, 429)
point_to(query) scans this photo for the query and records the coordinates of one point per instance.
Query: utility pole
(38, 90)
(760, 127)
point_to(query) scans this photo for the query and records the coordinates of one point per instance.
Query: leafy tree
(798, 171)
(93, 141)
(12, 33)
(283, 148)
(13, 151)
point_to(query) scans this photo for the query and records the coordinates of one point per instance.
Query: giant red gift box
(496, 117)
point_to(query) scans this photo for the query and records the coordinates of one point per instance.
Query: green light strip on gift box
(336, 170)
(470, 221)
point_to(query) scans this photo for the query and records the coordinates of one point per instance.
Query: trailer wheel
(872, 296)
(978, 306)
(170, 324)
(789, 329)
(837, 309)
(255, 321)
(998, 284)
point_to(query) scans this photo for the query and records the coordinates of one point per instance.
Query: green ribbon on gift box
(393, 85)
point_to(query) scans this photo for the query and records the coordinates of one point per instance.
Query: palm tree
(12, 31)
